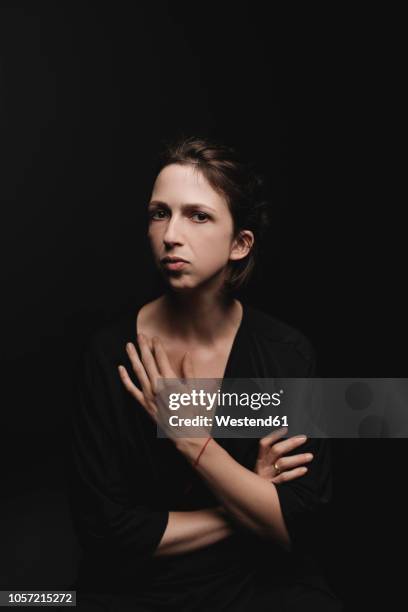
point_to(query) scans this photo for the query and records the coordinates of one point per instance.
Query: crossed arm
(188, 531)
(244, 496)
(106, 522)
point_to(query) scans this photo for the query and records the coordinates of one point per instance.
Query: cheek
(154, 237)
(212, 236)
(212, 248)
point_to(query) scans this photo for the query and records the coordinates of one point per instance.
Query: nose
(172, 235)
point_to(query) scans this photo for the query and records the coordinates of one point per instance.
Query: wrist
(191, 447)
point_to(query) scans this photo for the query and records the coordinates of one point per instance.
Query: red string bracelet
(201, 452)
(187, 489)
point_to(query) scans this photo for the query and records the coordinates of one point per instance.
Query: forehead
(185, 183)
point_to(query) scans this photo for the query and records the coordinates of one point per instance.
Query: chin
(181, 283)
(180, 287)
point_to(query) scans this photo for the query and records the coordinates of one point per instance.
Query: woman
(195, 523)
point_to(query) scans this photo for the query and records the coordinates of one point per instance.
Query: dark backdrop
(88, 95)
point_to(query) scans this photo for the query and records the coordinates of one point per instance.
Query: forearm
(248, 498)
(187, 531)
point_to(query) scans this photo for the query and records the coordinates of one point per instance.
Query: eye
(202, 215)
(155, 212)
(153, 215)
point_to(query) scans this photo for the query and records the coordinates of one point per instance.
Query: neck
(203, 318)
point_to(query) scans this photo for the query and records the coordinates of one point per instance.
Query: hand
(272, 452)
(153, 366)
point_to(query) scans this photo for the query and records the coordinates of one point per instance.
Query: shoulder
(106, 342)
(281, 337)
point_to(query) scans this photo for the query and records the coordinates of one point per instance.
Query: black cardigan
(124, 480)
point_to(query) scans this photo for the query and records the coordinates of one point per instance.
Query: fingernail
(301, 437)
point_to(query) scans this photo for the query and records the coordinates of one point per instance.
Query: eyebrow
(185, 206)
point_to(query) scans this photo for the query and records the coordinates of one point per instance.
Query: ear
(242, 245)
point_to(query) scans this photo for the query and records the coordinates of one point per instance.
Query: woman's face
(189, 219)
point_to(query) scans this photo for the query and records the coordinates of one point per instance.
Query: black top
(124, 480)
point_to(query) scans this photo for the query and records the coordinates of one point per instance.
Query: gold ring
(276, 468)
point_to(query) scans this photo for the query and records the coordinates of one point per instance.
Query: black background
(89, 93)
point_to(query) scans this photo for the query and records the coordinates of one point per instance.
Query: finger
(187, 366)
(130, 386)
(139, 369)
(276, 433)
(286, 446)
(286, 463)
(162, 360)
(290, 475)
(146, 347)
(267, 441)
(148, 360)
(136, 392)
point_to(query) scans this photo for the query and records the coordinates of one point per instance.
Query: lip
(174, 265)
(172, 259)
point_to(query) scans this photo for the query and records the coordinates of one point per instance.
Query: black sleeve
(304, 501)
(109, 522)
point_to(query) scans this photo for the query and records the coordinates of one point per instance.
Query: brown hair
(238, 181)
